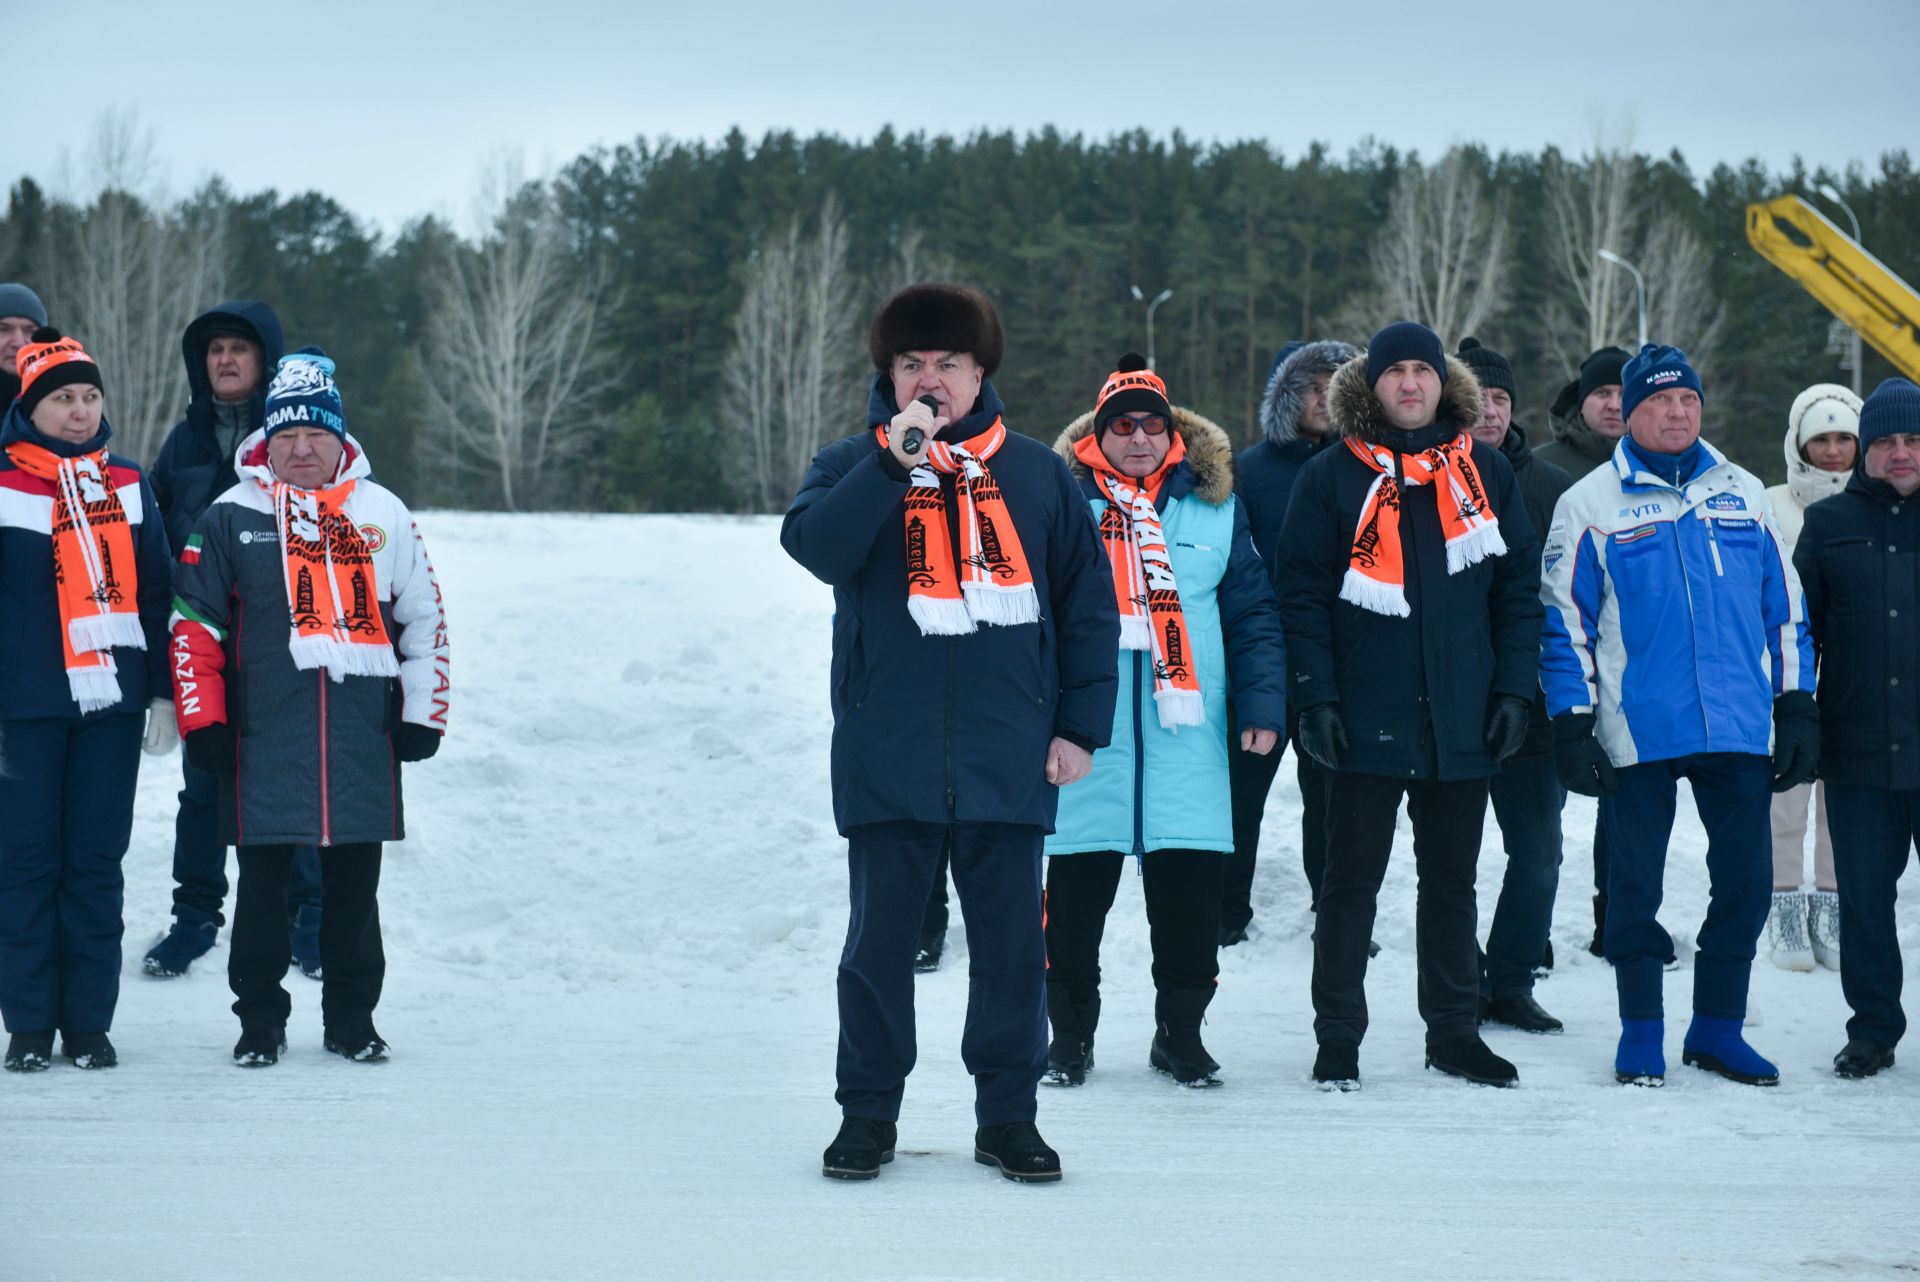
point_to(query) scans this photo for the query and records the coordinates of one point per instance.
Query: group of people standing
(1044, 663)
(254, 596)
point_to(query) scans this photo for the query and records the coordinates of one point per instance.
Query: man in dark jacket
(1526, 794)
(229, 352)
(1859, 563)
(21, 312)
(1412, 622)
(1294, 427)
(974, 635)
(1587, 425)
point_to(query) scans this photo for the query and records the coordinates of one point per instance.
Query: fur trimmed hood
(1209, 452)
(1287, 389)
(1355, 411)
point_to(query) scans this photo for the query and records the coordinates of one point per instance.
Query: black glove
(1583, 764)
(1796, 739)
(1507, 726)
(1322, 734)
(414, 742)
(210, 749)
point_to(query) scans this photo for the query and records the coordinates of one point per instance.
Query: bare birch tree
(512, 359)
(125, 272)
(793, 367)
(1442, 258)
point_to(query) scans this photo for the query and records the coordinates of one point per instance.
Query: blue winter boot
(305, 939)
(1716, 1045)
(1641, 1059)
(186, 942)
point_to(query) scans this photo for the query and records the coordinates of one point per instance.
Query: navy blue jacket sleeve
(153, 561)
(1250, 626)
(1513, 599)
(844, 500)
(1086, 619)
(1311, 563)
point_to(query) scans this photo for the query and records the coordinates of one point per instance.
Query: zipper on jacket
(1693, 622)
(1139, 772)
(326, 831)
(1713, 545)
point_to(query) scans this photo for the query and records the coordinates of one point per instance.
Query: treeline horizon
(634, 332)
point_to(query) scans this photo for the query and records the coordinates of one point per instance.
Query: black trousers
(1182, 890)
(996, 869)
(933, 923)
(1251, 777)
(1875, 831)
(354, 965)
(1447, 818)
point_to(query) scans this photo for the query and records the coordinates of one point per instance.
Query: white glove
(162, 731)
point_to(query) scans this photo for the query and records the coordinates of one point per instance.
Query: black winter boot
(862, 1147)
(89, 1050)
(362, 1044)
(927, 953)
(1520, 1011)
(1177, 1051)
(1468, 1057)
(30, 1052)
(1017, 1149)
(1337, 1067)
(1070, 1056)
(1599, 945)
(260, 1045)
(1862, 1058)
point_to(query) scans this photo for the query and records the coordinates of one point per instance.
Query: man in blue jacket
(229, 352)
(1676, 646)
(973, 676)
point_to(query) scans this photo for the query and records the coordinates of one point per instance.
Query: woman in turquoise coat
(1199, 627)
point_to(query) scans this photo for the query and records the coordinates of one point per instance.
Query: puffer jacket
(33, 665)
(1822, 408)
(1158, 789)
(1673, 612)
(1414, 692)
(1264, 474)
(315, 761)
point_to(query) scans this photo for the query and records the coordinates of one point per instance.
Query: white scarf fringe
(1371, 594)
(1475, 546)
(94, 689)
(1179, 708)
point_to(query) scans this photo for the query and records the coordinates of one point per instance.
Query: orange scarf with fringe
(1150, 613)
(332, 596)
(992, 582)
(95, 579)
(1376, 576)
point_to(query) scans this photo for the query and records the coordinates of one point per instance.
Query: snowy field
(612, 940)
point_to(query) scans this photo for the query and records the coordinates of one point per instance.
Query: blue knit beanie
(1404, 341)
(1893, 407)
(18, 300)
(303, 394)
(1655, 369)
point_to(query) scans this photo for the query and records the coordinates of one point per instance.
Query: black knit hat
(1404, 341)
(937, 318)
(1602, 369)
(1489, 366)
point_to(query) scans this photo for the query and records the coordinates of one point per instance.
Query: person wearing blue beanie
(1405, 341)
(1859, 558)
(1664, 576)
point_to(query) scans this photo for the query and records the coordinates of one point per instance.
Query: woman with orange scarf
(1198, 626)
(85, 578)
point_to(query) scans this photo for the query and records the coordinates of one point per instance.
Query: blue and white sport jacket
(1673, 613)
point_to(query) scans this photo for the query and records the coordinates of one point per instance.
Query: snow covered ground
(611, 946)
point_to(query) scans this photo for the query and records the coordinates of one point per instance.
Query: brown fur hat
(937, 318)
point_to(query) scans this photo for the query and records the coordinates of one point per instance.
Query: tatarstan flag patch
(191, 555)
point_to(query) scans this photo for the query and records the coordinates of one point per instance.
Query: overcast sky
(392, 108)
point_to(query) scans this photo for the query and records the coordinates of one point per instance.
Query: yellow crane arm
(1845, 278)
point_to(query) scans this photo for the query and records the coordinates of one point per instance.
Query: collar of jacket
(1514, 446)
(881, 408)
(1872, 487)
(1355, 411)
(1206, 471)
(1631, 466)
(18, 427)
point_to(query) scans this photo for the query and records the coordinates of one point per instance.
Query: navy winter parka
(191, 470)
(940, 729)
(33, 666)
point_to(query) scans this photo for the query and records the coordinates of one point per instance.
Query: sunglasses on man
(1151, 424)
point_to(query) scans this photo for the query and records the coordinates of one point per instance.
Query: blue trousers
(66, 815)
(1526, 797)
(996, 870)
(1874, 833)
(1733, 793)
(200, 856)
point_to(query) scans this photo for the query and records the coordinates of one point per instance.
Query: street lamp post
(1827, 190)
(1638, 280)
(1158, 299)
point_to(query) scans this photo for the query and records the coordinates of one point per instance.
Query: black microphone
(914, 435)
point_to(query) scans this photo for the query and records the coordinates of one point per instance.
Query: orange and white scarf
(991, 582)
(95, 579)
(1143, 580)
(1376, 570)
(332, 595)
